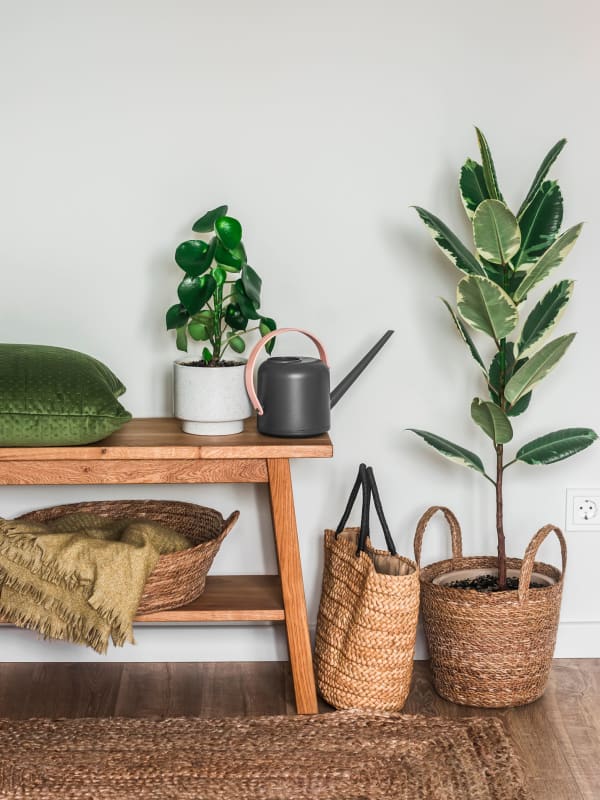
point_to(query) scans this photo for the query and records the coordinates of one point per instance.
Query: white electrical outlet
(583, 510)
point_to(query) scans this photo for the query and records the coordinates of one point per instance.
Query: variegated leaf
(454, 452)
(549, 159)
(465, 336)
(552, 258)
(450, 244)
(486, 306)
(544, 316)
(472, 186)
(492, 420)
(537, 367)
(496, 232)
(539, 224)
(556, 446)
(489, 170)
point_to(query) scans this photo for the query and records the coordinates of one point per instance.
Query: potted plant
(219, 298)
(492, 636)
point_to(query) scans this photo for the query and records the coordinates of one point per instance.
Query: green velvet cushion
(54, 396)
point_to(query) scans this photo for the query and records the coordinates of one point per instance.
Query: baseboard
(232, 642)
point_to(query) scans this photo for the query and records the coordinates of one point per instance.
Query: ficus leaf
(229, 232)
(472, 186)
(496, 232)
(543, 170)
(544, 316)
(492, 420)
(207, 222)
(489, 170)
(454, 452)
(450, 244)
(495, 380)
(537, 367)
(540, 224)
(552, 258)
(486, 307)
(465, 336)
(556, 446)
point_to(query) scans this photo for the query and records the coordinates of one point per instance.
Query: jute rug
(339, 756)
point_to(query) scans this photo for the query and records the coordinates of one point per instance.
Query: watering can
(292, 397)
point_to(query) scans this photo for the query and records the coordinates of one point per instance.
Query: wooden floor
(558, 736)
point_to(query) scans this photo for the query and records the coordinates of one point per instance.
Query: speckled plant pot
(210, 401)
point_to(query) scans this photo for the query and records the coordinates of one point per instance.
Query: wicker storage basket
(368, 613)
(490, 650)
(178, 578)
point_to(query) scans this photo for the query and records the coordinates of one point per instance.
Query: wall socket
(583, 510)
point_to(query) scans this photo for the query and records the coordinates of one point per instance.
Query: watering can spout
(347, 382)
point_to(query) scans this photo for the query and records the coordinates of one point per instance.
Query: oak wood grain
(290, 570)
(229, 598)
(115, 471)
(162, 438)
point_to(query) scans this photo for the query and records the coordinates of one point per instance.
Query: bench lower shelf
(227, 598)
(230, 598)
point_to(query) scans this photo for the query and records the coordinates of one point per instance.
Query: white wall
(319, 123)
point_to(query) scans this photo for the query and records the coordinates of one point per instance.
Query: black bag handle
(366, 480)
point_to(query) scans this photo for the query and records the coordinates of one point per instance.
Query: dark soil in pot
(201, 363)
(489, 583)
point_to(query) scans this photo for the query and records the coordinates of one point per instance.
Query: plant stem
(500, 518)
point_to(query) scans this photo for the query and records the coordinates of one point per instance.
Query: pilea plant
(513, 254)
(220, 292)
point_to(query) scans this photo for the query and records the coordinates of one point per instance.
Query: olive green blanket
(79, 578)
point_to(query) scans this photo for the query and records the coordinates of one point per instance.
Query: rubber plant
(220, 292)
(512, 256)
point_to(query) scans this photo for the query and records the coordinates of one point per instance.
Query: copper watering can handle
(249, 372)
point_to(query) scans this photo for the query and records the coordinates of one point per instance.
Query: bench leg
(292, 586)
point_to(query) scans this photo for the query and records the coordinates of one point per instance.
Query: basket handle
(453, 524)
(366, 480)
(529, 558)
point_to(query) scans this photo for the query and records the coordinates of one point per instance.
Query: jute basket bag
(490, 650)
(178, 578)
(368, 614)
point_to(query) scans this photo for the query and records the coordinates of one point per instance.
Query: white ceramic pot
(210, 401)
(475, 572)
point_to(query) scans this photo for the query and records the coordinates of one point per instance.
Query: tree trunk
(500, 518)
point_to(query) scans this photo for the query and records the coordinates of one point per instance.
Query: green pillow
(54, 396)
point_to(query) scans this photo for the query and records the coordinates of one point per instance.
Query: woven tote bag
(368, 613)
(490, 650)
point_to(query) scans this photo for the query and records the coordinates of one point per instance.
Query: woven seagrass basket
(490, 650)
(178, 578)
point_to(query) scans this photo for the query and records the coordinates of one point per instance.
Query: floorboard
(558, 736)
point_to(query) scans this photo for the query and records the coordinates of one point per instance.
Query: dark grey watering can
(292, 397)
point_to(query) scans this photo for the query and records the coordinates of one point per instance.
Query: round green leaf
(176, 316)
(207, 222)
(181, 340)
(496, 232)
(246, 305)
(198, 331)
(194, 256)
(237, 344)
(265, 326)
(234, 318)
(252, 284)
(232, 260)
(486, 307)
(492, 420)
(207, 356)
(229, 231)
(194, 292)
